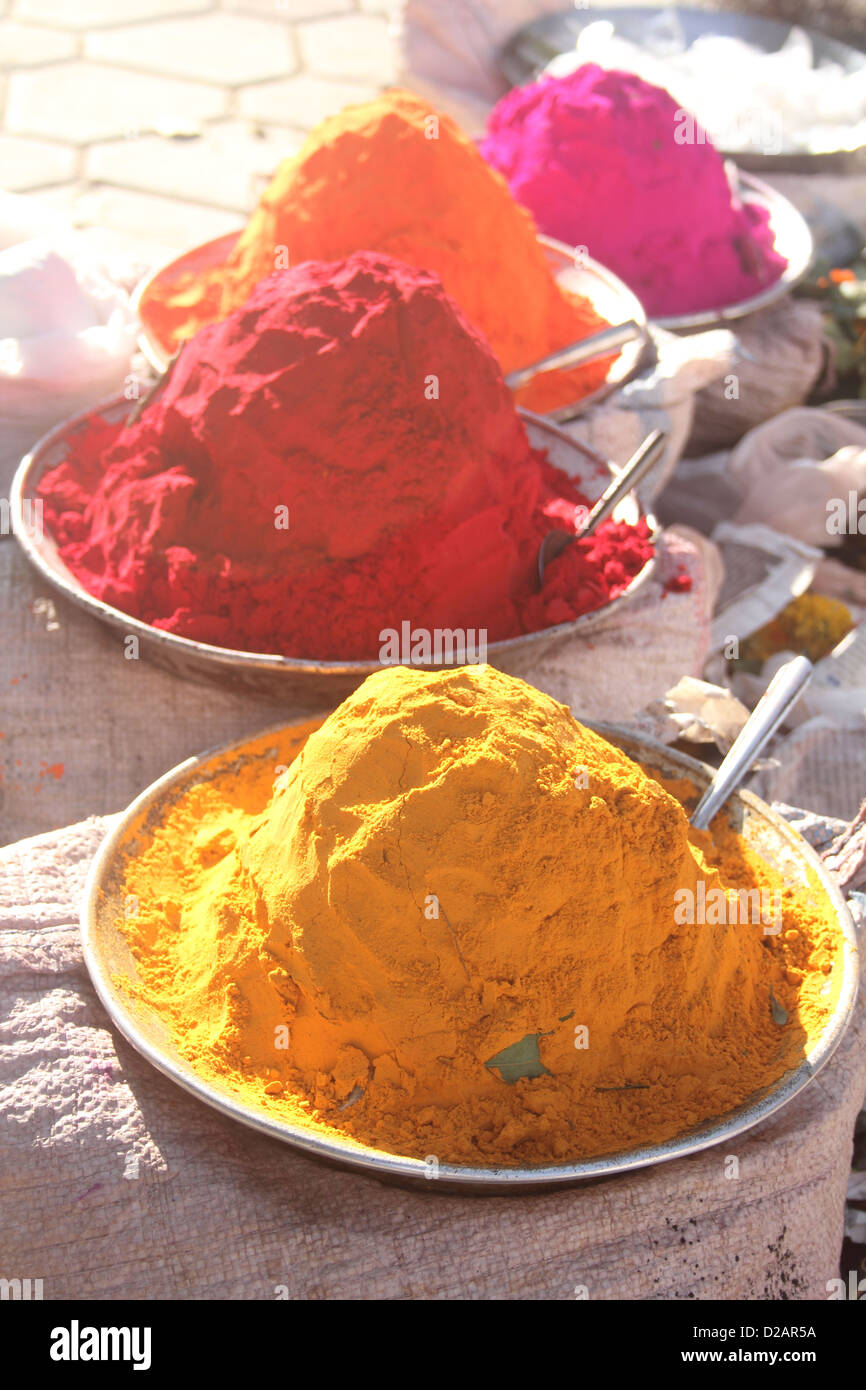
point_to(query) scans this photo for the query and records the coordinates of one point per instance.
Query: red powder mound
(337, 457)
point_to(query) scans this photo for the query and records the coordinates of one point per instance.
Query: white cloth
(450, 49)
(67, 334)
(789, 469)
(661, 397)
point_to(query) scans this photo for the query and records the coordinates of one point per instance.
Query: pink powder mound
(607, 161)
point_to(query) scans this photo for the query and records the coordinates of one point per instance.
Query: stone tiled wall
(159, 120)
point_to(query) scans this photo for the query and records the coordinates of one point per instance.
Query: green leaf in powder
(780, 1015)
(520, 1059)
(355, 1094)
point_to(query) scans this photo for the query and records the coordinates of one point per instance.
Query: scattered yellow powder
(811, 624)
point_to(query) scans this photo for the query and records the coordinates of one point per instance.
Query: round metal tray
(113, 970)
(613, 300)
(534, 45)
(307, 683)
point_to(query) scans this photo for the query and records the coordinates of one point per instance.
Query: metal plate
(110, 962)
(605, 291)
(533, 46)
(310, 684)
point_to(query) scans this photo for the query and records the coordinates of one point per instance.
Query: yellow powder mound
(391, 176)
(451, 867)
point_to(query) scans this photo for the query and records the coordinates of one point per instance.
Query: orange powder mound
(447, 921)
(391, 176)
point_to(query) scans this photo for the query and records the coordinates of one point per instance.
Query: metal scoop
(783, 691)
(637, 467)
(587, 350)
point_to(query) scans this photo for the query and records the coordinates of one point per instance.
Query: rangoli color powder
(455, 926)
(608, 161)
(338, 456)
(393, 176)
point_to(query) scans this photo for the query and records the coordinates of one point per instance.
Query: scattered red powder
(679, 583)
(338, 456)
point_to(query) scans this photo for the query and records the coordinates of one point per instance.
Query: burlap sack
(83, 730)
(115, 1183)
(783, 354)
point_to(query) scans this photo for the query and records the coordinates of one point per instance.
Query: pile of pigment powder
(607, 161)
(446, 923)
(336, 458)
(394, 177)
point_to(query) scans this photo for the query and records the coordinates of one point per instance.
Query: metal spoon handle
(638, 465)
(629, 476)
(782, 692)
(587, 350)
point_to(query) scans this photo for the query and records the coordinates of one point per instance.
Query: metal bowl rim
(451, 1177)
